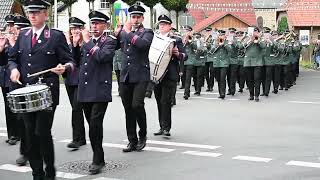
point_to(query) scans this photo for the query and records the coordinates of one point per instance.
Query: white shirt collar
(97, 38)
(39, 31)
(164, 35)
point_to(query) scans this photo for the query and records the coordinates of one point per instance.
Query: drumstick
(44, 71)
(19, 82)
(39, 73)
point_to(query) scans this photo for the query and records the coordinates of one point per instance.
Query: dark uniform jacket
(50, 50)
(175, 63)
(4, 72)
(135, 62)
(71, 78)
(95, 78)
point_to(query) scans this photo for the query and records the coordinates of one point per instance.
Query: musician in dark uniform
(135, 41)
(21, 22)
(209, 73)
(95, 82)
(164, 91)
(7, 43)
(277, 61)
(71, 81)
(39, 48)
(241, 75)
(199, 63)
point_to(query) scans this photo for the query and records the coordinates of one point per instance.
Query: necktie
(94, 41)
(34, 39)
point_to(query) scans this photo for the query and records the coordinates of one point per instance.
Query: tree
(283, 24)
(175, 5)
(69, 3)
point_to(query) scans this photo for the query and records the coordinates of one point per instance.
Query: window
(105, 4)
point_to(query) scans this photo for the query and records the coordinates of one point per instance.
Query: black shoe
(222, 96)
(275, 91)
(160, 132)
(182, 87)
(197, 93)
(229, 93)
(294, 83)
(262, 94)
(22, 160)
(251, 98)
(281, 89)
(166, 133)
(267, 95)
(96, 168)
(186, 97)
(141, 144)
(208, 90)
(240, 91)
(13, 140)
(286, 89)
(131, 147)
(76, 144)
(256, 99)
(50, 178)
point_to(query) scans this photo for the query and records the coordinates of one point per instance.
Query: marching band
(86, 59)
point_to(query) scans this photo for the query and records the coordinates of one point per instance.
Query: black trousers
(293, 73)
(118, 79)
(269, 71)
(276, 77)
(94, 112)
(199, 80)
(183, 77)
(188, 75)
(297, 67)
(220, 75)
(132, 95)
(164, 92)
(11, 119)
(254, 80)
(263, 77)
(25, 140)
(77, 119)
(241, 76)
(209, 75)
(38, 130)
(232, 77)
(285, 76)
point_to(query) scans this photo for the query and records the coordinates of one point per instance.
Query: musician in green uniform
(199, 63)
(241, 75)
(233, 62)
(218, 55)
(284, 50)
(253, 63)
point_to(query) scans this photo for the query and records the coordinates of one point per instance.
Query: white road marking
(3, 128)
(148, 148)
(204, 93)
(69, 140)
(167, 143)
(103, 178)
(252, 158)
(3, 134)
(303, 164)
(11, 167)
(304, 102)
(205, 154)
(69, 175)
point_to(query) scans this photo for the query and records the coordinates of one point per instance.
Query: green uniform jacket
(117, 60)
(233, 53)
(219, 55)
(200, 55)
(190, 53)
(253, 55)
(268, 56)
(297, 46)
(240, 51)
(284, 51)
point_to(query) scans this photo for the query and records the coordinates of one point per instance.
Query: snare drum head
(29, 89)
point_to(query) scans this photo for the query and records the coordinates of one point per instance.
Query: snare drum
(30, 99)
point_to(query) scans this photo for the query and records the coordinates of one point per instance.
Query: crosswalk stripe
(201, 146)
(303, 164)
(3, 128)
(199, 153)
(3, 134)
(252, 158)
(69, 175)
(304, 102)
(148, 148)
(11, 167)
(103, 178)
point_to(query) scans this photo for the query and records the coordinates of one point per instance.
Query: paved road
(232, 139)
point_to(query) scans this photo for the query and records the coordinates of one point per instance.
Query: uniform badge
(47, 34)
(39, 41)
